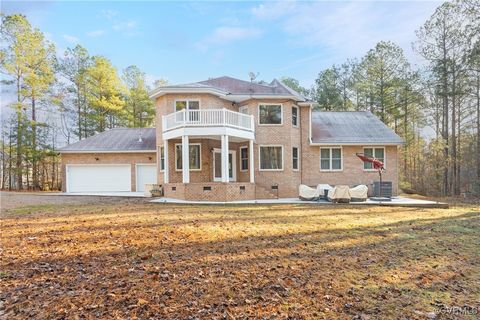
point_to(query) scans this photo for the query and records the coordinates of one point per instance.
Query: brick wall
(288, 136)
(352, 173)
(206, 172)
(106, 158)
(218, 191)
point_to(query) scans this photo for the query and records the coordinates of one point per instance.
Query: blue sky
(191, 41)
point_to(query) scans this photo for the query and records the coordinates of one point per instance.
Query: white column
(165, 160)
(251, 165)
(185, 160)
(224, 154)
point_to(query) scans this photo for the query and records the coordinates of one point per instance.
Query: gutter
(107, 151)
(356, 143)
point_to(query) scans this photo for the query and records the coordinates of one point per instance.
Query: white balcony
(208, 122)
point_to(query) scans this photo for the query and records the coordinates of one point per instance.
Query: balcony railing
(207, 118)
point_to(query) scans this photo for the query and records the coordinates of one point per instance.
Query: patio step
(263, 193)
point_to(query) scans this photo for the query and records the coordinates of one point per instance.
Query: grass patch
(305, 262)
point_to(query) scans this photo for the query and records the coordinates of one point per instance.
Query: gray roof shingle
(232, 86)
(351, 127)
(236, 86)
(117, 139)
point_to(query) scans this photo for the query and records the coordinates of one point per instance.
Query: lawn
(140, 260)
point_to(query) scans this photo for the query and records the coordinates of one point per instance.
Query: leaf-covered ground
(138, 261)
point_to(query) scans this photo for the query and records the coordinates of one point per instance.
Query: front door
(217, 165)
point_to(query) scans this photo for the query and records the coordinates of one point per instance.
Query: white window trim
(259, 157)
(341, 159)
(267, 124)
(298, 117)
(298, 159)
(188, 101)
(160, 158)
(384, 156)
(240, 158)
(243, 108)
(176, 156)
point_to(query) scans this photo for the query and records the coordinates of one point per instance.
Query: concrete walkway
(396, 202)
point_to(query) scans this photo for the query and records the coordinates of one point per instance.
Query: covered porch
(208, 155)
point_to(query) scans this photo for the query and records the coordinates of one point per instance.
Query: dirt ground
(90, 258)
(12, 200)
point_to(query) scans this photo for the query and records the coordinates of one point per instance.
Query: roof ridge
(236, 79)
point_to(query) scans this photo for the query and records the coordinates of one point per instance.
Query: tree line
(435, 108)
(68, 96)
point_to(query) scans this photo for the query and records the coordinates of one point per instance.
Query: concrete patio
(396, 202)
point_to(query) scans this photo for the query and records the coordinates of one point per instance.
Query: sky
(186, 42)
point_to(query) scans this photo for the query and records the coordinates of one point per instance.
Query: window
(330, 159)
(194, 156)
(378, 153)
(295, 158)
(162, 159)
(187, 104)
(271, 158)
(295, 116)
(243, 109)
(243, 159)
(270, 114)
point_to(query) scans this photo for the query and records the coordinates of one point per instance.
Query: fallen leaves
(160, 261)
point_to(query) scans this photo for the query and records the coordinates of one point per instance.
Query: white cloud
(127, 28)
(273, 10)
(225, 35)
(70, 39)
(346, 29)
(109, 14)
(96, 33)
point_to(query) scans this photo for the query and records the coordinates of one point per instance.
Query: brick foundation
(210, 191)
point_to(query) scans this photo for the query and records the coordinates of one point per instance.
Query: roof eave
(338, 143)
(243, 97)
(166, 90)
(106, 151)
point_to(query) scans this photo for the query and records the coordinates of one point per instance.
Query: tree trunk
(35, 181)
(478, 129)
(454, 136)
(18, 164)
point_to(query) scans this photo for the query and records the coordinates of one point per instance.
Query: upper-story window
(187, 104)
(270, 114)
(295, 116)
(243, 109)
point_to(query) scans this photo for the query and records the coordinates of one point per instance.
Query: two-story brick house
(226, 139)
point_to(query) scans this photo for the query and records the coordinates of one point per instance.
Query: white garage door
(146, 174)
(98, 178)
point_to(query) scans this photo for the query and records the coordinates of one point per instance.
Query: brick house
(225, 139)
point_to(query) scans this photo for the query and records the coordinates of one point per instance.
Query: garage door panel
(146, 174)
(115, 178)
